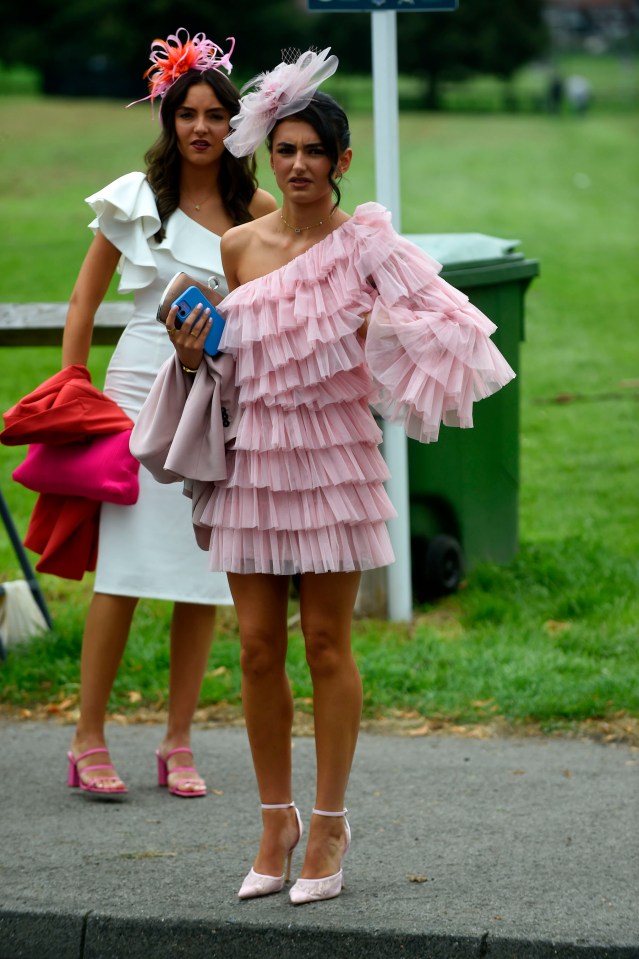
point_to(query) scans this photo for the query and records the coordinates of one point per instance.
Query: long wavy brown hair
(236, 180)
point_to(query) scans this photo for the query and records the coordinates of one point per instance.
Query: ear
(344, 162)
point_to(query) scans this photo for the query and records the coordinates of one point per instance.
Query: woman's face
(201, 123)
(300, 163)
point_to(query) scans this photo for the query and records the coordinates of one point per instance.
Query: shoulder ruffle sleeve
(427, 347)
(126, 214)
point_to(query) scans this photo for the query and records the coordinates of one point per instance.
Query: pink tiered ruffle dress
(304, 488)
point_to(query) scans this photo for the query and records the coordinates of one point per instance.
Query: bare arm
(90, 289)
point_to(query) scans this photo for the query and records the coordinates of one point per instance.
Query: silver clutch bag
(181, 282)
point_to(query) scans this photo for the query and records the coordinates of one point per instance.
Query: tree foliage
(101, 47)
(480, 37)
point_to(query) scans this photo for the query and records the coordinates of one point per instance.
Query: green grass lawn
(550, 638)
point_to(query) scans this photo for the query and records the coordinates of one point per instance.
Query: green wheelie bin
(464, 489)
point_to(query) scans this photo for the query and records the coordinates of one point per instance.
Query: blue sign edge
(342, 6)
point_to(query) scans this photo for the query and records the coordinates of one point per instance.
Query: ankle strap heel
(328, 887)
(257, 884)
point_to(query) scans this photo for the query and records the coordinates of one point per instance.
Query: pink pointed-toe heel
(256, 884)
(74, 777)
(177, 789)
(312, 890)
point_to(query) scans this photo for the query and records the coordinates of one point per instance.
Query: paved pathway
(506, 848)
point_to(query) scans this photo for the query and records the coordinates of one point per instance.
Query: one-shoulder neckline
(200, 225)
(296, 258)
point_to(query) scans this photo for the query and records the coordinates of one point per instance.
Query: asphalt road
(506, 848)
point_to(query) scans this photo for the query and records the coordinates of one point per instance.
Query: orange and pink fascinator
(179, 53)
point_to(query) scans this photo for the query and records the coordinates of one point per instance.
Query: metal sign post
(387, 182)
(388, 190)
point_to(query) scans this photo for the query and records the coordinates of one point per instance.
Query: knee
(323, 653)
(261, 655)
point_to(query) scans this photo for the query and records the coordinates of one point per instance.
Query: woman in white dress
(148, 227)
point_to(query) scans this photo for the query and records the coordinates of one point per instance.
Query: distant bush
(19, 80)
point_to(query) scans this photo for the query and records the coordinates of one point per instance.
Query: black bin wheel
(439, 569)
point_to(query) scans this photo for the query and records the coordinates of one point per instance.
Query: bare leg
(326, 604)
(192, 628)
(105, 635)
(261, 602)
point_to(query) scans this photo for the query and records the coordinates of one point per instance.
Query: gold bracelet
(187, 369)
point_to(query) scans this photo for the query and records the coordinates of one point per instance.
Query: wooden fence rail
(32, 324)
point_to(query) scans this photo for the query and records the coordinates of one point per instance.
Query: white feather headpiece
(278, 93)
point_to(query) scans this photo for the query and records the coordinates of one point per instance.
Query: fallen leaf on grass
(553, 626)
(134, 696)
(54, 708)
(220, 671)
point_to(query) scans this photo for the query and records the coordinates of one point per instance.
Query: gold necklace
(302, 229)
(199, 205)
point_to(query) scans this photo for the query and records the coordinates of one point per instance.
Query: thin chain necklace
(302, 229)
(198, 206)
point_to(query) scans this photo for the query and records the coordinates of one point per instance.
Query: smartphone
(179, 283)
(187, 302)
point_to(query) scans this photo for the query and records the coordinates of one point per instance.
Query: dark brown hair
(237, 182)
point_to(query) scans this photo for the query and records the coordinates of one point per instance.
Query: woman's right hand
(189, 339)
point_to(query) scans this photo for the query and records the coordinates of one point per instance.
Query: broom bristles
(20, 616)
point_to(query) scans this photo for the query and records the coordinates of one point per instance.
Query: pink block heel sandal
(74, 778)
(177, 789)
(256, 884)
(312, 890)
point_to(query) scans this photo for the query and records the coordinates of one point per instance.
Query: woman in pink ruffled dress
(327, 316)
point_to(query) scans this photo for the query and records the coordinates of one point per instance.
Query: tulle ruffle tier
(304, 478)
(428, 348)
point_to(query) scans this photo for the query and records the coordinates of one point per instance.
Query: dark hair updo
(237, 182)
(330, 123)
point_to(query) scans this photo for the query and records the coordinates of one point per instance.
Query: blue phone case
(187, 302)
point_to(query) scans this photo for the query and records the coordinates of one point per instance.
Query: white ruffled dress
(149, 549)
(304, 490)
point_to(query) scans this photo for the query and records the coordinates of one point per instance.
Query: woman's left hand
(189, 338)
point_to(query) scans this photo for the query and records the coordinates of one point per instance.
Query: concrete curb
(50, 936)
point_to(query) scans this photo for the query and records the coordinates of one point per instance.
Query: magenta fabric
(101, 468)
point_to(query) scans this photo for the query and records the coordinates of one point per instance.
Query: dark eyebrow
(285, 143)
(209, 109)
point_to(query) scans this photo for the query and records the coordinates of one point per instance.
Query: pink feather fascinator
(278, 93)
